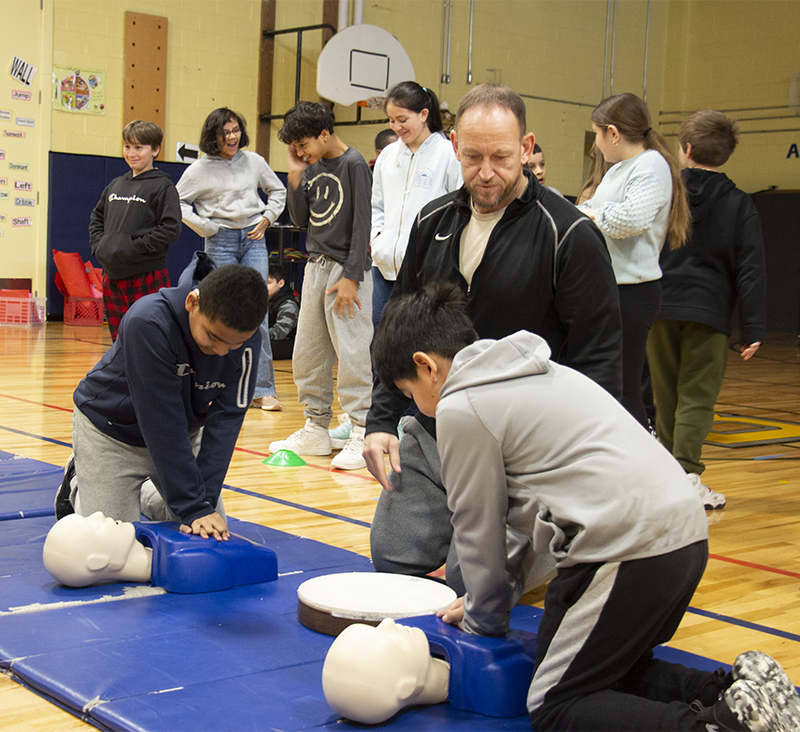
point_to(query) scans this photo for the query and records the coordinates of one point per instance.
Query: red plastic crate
(83, 310)
(22, 310)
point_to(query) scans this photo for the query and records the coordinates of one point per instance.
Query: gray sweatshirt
(334, 201)
(225, 193)
(537, 457)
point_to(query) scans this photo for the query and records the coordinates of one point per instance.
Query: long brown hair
(597, 170)
(629, 115)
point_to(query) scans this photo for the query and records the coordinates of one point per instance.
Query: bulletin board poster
(79, 90)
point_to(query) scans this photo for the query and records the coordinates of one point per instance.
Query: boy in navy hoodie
(137, 218)
(166, 402)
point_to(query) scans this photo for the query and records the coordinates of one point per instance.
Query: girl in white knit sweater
(639, 203)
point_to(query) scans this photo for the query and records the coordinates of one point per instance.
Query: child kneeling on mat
(538, 458)
(167, 401)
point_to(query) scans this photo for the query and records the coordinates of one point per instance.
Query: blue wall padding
(231, 660)
(76, 184)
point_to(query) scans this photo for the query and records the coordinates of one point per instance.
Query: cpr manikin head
(371, 673)
(80, 551)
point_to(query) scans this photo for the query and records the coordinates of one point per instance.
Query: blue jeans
(231, 246)
(381, 292)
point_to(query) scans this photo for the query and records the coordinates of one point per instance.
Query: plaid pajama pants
(119, 295)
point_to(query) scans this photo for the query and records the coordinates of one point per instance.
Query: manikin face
(492, 153)
(228, 139)
(212, 337)
(138, 156)
(81, 550)
(411, 127)
(371, 673)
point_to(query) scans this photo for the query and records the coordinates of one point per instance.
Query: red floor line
(38, 404)
(752, 565)
(311, 465)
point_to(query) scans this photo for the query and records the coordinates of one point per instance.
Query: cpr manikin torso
(371, 673)
(81, 551)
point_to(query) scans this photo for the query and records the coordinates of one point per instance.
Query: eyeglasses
(231, 133)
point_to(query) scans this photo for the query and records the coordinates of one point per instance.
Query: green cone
(284, 459)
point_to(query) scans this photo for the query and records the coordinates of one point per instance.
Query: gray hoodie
(537, 452)
(216, 192)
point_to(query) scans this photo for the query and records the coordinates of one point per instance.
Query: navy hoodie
(154, 386)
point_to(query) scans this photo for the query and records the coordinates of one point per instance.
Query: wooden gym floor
(749, 597)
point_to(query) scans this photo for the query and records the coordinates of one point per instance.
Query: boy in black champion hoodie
(137, 218)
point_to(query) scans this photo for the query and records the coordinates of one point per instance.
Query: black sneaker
(63, 505)
(743, 707)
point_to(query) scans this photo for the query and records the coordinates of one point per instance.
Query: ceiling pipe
(471, 26)
(646, 49)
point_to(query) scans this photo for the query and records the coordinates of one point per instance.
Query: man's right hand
(376, 445)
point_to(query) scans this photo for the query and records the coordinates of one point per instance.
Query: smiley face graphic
(326, 196)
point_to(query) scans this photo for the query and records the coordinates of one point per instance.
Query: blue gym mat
(131, 658)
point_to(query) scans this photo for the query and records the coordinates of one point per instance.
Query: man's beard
(498, 200)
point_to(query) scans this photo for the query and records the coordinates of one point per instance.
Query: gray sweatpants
(118, 479)
(323, 337)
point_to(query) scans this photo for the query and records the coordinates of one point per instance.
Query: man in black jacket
(526, 259)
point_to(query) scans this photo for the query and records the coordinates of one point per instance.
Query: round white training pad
(375, 595)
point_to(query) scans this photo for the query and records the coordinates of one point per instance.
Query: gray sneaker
(711, 499)
(743, 707)
(767, 673)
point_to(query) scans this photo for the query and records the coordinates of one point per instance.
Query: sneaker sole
(338, 443)
(712, 507)
(361, 465)
(314, 452)
(62, 505)
(767, 673)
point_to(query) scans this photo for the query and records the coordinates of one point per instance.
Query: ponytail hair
(410, 95)
(630, 116)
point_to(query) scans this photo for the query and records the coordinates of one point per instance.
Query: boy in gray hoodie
(537, 458)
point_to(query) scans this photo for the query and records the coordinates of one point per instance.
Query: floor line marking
(753, 565)
(744, 624)
(300, 506)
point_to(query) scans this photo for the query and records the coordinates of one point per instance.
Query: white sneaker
(341, 434)
(311, 440)
(350, 458)
(711, 499)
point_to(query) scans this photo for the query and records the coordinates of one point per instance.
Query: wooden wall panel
(145, 81)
